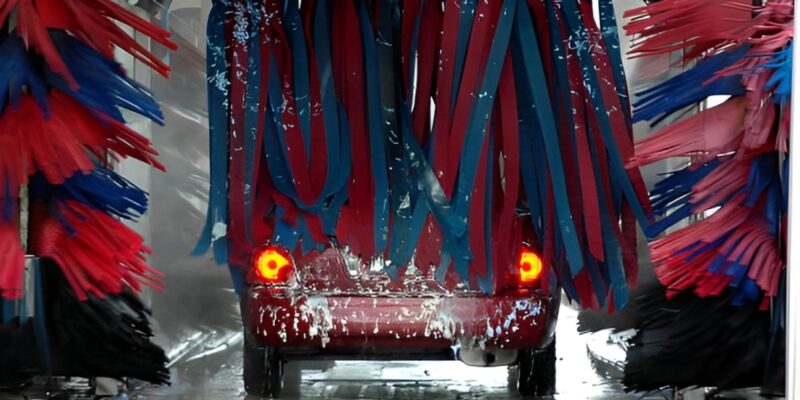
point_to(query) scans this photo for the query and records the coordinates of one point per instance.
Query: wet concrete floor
(217, 376)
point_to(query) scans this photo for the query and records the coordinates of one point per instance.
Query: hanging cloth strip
(382, 125)
(215, 230)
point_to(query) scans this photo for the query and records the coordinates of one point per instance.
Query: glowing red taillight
(272, 265)
(530, 266)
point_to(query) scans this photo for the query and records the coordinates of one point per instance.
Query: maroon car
(332, 304)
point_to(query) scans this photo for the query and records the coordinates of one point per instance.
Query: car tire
(263, 371)
(537, 371)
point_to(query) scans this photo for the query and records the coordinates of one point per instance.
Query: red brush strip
(12, 262)
(760, 113)
(238, 59)
(705, 231)
(428, 257)
(34, 31)
(679, 274)
(548, 245)
(411, 9)
(713, 131)
(99, 255)
(468, 91)
(94, 22)
(567, 145)
(356, 222)
(427, 70)
(295, 143)
(477, 220)
(445, 77)
(703, 26)
(622, 131)
(29, 142)
(60, 145)
(508, 140)
(730, 177)
(587, 180)
(319, 159)
(604, 189)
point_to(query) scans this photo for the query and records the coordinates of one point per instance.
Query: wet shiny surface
(210, 379)
(212, 367)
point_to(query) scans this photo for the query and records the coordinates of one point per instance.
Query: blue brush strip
(561, 93)
(599, 277)
(689, 87)
(747, 292)
(465, 22)
(763, 175)
(533, 168)
(8, 205)
(486, 283)
(402, 195)
(104, 190)
(103, 83)
(701, 247)
(434, 193)
(275, 146)
(533, 80)
(285, 234)
(660, 226)
(591, 80)
(338, 186)
(781, 80)
(406, 236)
(477, 130)
(772, 209)
(19, 77)
(737, 271)
(613, 264)
(335, 120)
(252, 111)
(481, 109)
(672, 191)
(215, 229)
(297, 41)
(8, 311)
(409, 210)
(610, 32)
(412, 55)
(377, 133)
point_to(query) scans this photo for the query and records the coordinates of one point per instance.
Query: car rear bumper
(276, 318)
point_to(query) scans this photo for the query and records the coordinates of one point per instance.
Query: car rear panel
(335, 300)
(337, 271)
(280, 318)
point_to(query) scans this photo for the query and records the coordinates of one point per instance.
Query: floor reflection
(217, 376)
